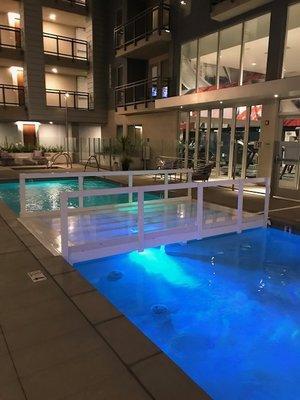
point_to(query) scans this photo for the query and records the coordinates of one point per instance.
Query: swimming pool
(225, 309)
(44, 195)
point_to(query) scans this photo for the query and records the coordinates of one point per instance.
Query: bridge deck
(111, 230)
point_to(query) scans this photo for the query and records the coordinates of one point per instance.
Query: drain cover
(36, 276)
(115, 275)
(159, 309)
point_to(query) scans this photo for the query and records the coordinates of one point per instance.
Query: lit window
(291, 65)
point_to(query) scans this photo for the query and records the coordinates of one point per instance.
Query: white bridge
(85, 233)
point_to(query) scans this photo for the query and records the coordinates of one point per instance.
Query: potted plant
(125, 158)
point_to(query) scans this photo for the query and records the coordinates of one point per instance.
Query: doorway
(29, 135)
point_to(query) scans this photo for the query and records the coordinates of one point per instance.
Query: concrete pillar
(269, 135)
(34, 66)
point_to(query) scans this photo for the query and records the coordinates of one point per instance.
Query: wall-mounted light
(183, 2)
(52, 17)
(20, 124)
(54, 70)
(254, 64)
(12, 17)
(276, 96)
(51, 123)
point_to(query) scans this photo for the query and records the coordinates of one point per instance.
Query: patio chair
(203, 172)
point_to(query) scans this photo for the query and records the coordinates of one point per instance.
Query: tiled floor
(59, 339)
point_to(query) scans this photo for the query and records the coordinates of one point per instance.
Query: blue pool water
(44, 195)
(225, 309)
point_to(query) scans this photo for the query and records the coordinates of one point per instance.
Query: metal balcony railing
(69, 99)
(11, 95)
(141, 92)
(82, 3)
(10, 37)
(66, 47)
(154, 19)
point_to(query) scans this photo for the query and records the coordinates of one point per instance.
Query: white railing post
(200, 211)
(130, 184)
(22, 192)
(141, 234)
(80, 186)
(240, 205)
(267, 200)
(190, 180)
(64, 225)
(166, 196)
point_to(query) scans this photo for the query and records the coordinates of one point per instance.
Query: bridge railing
(167, 176)
(196, 226)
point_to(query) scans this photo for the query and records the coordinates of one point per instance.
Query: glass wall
(189, 67)
(233, 56)
(291, 65)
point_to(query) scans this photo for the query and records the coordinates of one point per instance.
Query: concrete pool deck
(60, 339)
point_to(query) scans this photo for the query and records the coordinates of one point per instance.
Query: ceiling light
(183, 2)
(67, 95)
(221, 102)
(52, 17)
(276, 96)
(254, 63)
(51, 123)
(54, 70)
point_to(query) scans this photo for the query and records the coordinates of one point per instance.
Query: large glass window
(189, 67)
(230, 56)
(291, 65)
(208, 61)
(233, 56)
(256, 44)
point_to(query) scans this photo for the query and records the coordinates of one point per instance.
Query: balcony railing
(155, 19)
(65, 47)
(10, 37)
(141, 92)
(82, 3)
(11, 95)
(75, 100)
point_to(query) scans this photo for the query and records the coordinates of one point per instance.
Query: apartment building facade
(49, 52)
(216, 81)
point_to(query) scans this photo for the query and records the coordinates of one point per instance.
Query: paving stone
(127, 340)
(56, 350)
(72, 377)
(12, 391)
(3, 347)
(9, 241)
(95, 307)
(7, 369)
(56, 265)
(39, 251)
(44, 329)
(72, 283)
(165, 381)
(126, 388)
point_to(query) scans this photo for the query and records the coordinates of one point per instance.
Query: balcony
(10, 37)
(223, 10)
(145, 36)
(65, 47)
(141, 95)
(69, 99)
(12, 95)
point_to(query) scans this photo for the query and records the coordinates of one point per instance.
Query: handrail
(56, 156)
(197, 228)
(130, 32)
(88, 161)
(72, 100)
(101, 174)
(5, 89)
(16, 42)
(143, 91)
(72, 41)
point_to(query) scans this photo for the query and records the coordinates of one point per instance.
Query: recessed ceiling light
(52, 17)
(254, 63)
(54, 70)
